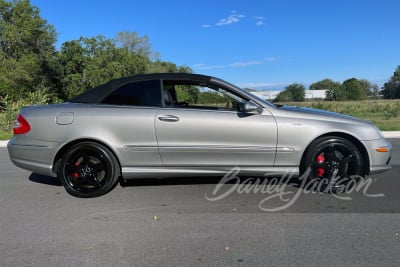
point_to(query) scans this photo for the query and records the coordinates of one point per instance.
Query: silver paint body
(166, 142)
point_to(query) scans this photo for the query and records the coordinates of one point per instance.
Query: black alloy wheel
(88, 169)
(334, 161)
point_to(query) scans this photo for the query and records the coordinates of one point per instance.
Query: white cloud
(259, 20)
(238, 64)
(234, 17)
(260, 23)
(270, 59)
(245, 64)
(207, 67)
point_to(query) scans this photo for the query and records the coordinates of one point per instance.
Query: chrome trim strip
(284, 149)
(136, 148)
(214, 148)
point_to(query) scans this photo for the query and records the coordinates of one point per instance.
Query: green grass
(5, 135)
(385, 114)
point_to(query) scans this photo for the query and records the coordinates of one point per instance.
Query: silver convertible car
(162, 125)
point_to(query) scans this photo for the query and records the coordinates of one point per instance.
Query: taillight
(21, 125)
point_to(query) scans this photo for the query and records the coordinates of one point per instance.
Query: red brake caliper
(76, 165)
(320, 171)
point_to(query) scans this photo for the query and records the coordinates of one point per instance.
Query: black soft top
(99, 93)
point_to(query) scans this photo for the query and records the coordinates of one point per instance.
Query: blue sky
(260, 44)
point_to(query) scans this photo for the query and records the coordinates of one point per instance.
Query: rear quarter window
(144, 93)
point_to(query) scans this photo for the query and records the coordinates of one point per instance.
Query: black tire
(88, 169)
(334, 162)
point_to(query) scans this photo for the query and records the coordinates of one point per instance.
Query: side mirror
(252, 108)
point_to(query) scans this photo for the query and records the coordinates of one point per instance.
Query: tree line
(30, 62)
(350, 89)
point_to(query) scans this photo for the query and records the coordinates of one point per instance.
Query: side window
(200, 96)
(145, 93)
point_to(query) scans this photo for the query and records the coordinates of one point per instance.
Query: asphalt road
(172, 223)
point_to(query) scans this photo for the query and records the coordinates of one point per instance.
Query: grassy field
(5, 135)
(385, 114)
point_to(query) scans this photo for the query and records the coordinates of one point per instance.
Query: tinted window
(146, 93)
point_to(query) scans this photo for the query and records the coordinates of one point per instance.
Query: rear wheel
(334, 161)
(88, 169)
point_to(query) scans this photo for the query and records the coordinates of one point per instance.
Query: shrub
(11, 108)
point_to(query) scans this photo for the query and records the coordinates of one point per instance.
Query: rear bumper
(35, 158)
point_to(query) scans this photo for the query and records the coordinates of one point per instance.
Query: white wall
(310, 94)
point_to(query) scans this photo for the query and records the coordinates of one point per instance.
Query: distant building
(310, 94)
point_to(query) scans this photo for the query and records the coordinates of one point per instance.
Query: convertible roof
(97, 94)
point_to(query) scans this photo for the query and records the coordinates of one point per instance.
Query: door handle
(169, 118)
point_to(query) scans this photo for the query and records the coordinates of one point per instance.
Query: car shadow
(43, 179)
(197, 180)
(54, 181)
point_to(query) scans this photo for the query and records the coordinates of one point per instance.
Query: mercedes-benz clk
(165, 125)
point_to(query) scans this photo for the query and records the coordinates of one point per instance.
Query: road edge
(386, 134)
(3, 143)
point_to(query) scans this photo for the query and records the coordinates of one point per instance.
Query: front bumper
(378, 161)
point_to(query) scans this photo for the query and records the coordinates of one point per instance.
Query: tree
(135, 44)
(365, 87)
(375, 91)
(335, 92)
(353, 89)
(283, 96)
(324, 84)
(391, 89)
(89, 62)
(27, 48)
(293, 92)
(333, 88)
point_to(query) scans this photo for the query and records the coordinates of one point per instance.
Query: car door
(197, 136)
(130, 112)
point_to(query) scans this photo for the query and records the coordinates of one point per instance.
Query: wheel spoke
(92, 182)
(95, 181)
(347, 159)
(331, 153)
(85, 158)
(344, 166)
(98, 167)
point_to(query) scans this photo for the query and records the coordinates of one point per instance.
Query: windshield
(227, 84)
(266, 102)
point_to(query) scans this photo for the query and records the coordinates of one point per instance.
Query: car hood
(317, 113)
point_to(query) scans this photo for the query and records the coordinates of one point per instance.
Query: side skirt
(165, 172)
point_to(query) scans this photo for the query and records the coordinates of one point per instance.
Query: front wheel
(88, 169)
(334, 161)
